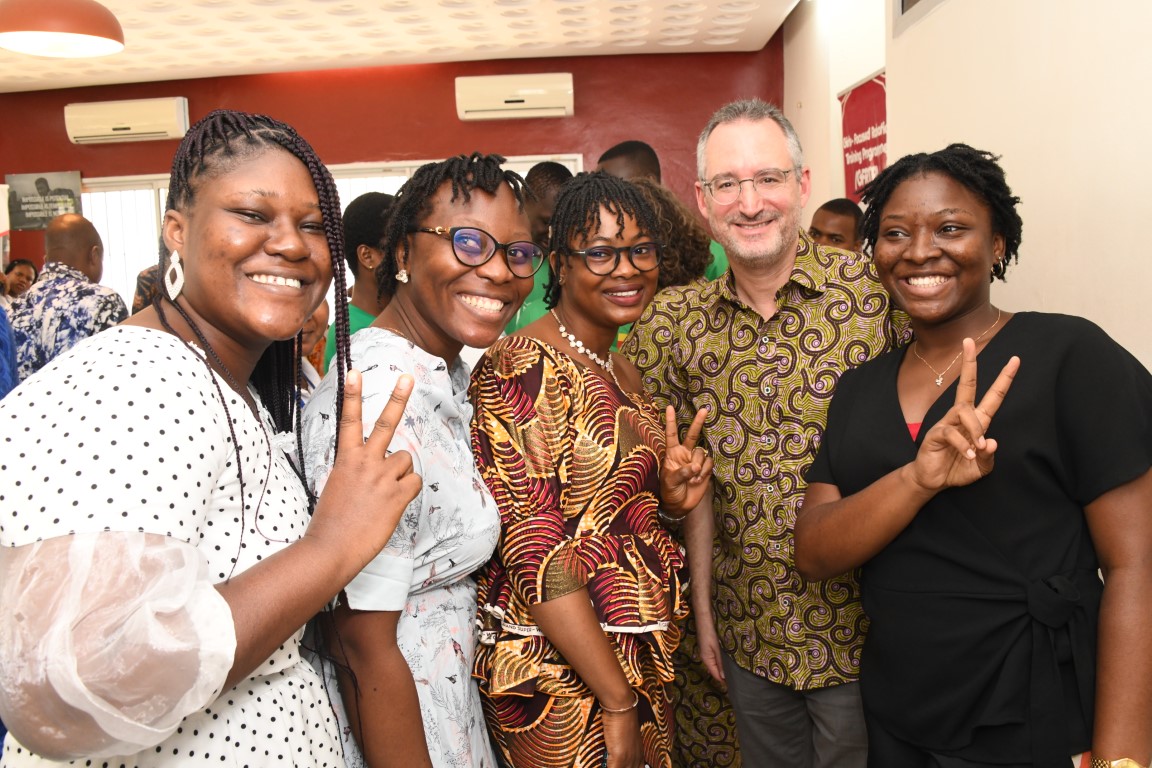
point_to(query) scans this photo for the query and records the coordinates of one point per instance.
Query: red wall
(409, 112)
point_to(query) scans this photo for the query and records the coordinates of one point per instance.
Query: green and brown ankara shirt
(767, 383)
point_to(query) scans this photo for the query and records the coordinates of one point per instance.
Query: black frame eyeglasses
(725, 190)
(603, 259)
(473, 247)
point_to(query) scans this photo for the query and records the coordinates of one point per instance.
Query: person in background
(8, 378)
(147, 288)
(364, 221)
(984, 477)
(836, 224)
(630, 160)
(544, 180)
(67, 304)
(19, 276)
(458, 260)
(761, 349)
(156, 576)
(578, 605)
(311, 336)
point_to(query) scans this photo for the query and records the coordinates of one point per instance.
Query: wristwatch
(1124, 762)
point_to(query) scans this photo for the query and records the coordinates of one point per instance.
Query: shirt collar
(60, 269)
(809, 272)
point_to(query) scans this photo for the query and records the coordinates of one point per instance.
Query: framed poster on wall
(34, 199)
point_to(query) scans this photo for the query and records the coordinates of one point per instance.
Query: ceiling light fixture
(61, 29)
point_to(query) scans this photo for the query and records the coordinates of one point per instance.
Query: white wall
(1058, 88)
(829, 46)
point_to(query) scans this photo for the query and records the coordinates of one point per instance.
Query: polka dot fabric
(126, 432)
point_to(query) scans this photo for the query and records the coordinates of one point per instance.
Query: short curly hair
(976, 169)
(686, 244)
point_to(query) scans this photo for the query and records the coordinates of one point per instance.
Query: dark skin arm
(1121, 529)
(385, 712)
(570, 624)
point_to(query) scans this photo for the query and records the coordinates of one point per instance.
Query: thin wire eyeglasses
(725, 190)
(603, 259)
(474, 247)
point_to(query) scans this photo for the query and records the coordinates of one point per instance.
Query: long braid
(577, 214)
(413, 201)
(975, 169)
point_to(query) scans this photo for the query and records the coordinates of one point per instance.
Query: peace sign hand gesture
(955, 451)
(368, 488)
(687, 467)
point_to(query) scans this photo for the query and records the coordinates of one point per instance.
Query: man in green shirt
(545, 180)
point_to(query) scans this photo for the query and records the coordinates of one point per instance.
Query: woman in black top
(982, 477)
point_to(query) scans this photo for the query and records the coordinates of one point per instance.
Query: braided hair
(577, 215)
(467, 173)
(975, 169)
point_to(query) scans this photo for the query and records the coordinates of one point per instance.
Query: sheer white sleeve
(107, 642)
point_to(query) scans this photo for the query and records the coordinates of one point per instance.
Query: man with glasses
(761, 348)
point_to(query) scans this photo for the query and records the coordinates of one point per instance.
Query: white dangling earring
(402, 276)
(174, 276)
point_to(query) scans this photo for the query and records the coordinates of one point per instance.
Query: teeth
(275, 280)
(928, 280)
(633, 292)
(482, 302)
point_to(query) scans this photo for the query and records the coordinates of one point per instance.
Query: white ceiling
(180, 39)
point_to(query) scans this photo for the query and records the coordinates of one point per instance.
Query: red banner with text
(865, 114)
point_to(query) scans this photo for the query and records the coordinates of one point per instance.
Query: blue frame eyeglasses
(474, 247)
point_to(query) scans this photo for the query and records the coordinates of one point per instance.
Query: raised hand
(955, 451)
(367, 490)
(687, 467)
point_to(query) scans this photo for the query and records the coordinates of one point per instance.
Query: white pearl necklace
(579, 347)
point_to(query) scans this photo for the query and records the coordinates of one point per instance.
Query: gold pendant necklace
(941, 374)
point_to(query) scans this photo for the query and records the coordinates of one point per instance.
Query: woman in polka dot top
(157, 557)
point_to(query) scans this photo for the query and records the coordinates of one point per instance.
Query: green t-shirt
(719, 263)
(533, 307)
(357, 320)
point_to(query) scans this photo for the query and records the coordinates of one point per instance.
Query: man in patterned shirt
(762, 348)
(66, 304)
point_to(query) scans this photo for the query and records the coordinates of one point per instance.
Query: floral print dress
(445, 534)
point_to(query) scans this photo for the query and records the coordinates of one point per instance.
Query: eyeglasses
(473, 247)
(603, 259)
(725, 190)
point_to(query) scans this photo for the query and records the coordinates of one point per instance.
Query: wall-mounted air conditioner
(499, 97)
(101, 122)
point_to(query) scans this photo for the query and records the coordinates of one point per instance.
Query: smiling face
(20, 279)
(447, 303)
(753, 230)
(256, 261)
(936, 248)
(605, 301)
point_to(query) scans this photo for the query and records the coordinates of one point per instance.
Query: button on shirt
(60, 309)
(767, 383)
